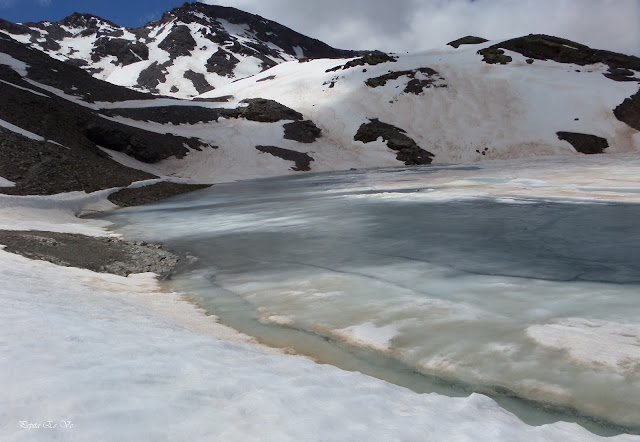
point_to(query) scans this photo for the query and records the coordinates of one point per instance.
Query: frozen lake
(520, 285)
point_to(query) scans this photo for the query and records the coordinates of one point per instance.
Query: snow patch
(593, 342)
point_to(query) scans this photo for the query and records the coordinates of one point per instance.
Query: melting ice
(518, 282)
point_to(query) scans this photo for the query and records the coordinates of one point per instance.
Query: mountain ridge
(484, 100)
(228, 43)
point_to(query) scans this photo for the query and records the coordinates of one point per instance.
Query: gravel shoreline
(99, 254)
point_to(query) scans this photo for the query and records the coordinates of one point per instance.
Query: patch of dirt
(302, 131)
(584, 143)
(152, 193)
(302, 160)
(407, 150)
(468, 40)
(99, 254)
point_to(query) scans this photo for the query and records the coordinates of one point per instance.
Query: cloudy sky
(389, 25)
(397, 25)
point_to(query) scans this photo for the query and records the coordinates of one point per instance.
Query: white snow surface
(103, 357)
(507, 112)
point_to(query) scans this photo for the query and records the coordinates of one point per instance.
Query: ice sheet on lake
(469, 273)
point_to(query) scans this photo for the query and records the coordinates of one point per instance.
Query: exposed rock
(179, 42)
(152, 193)
(222, 63)
(42, 168)
(174, 114)
(545, 47)
(149, 147)
(468, 40)
(199, 81)
(220, 99)
(152, 76)
(302, 160)
(268, 111)
(258, 109)
(125, 51)
(99, 254)
(494, 55)
(629, 111)
(371, 59)
(302, 131)
(266, 31)
(270, 77)
(414, 86)
(621, 74)
(69, 79)
(408, 151)
(584, 143)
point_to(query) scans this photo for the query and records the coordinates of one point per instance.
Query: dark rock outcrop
(494, 55)
(546, 47)
(222, 63)
(468, 40)
(268, 111)
(152, 193)
(66, 77)
(44, 168)
(265, 31)
(174, 114)
(371, 59)
(414, 86)
(407, 150)
(302, 131)
(199, 81)
(179, 42)
(70, 160)
(302, 160)
(125, 51)
(629, 111)
(584, 143)
(621, 74)
(152, 76)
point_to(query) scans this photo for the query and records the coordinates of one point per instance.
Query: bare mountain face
(190, 50)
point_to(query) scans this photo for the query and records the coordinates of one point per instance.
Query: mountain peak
(79, 20)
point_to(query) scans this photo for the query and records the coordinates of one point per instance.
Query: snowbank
(89, 356)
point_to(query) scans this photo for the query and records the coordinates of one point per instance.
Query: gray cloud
(413, 25)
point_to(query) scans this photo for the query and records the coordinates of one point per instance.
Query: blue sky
(130, 13)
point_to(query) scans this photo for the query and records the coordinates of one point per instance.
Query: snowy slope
(472, 111)
(114, 359)
(192, 49)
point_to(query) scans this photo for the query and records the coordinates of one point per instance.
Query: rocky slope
(64, 128)
(190, 50)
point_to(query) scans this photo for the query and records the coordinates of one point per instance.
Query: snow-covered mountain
(190, 50)
(474, 100)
